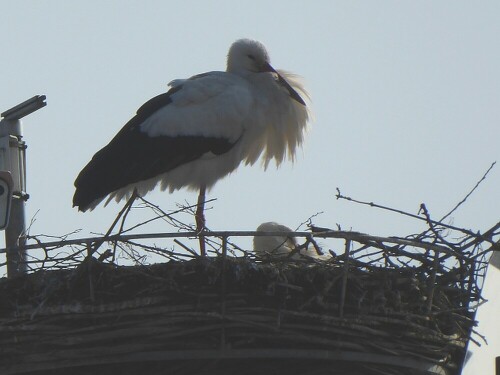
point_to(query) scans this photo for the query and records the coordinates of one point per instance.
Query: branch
(433, 229)
(371, 204)
(125, 209)
(470, 192)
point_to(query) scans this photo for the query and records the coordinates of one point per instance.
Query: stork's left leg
(200, 220)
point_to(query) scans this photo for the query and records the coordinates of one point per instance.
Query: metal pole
(15, 233)
(497, 366)
(15, 238)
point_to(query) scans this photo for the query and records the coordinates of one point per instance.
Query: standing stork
(200, 131)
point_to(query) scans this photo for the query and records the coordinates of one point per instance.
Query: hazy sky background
(406, 97)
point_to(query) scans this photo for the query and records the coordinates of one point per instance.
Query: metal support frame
(15, 233)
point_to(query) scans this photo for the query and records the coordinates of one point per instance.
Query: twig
(163, 252)
(344, 278)
(470, 192)
(162, 214)
(432, 227)
(89, 272)
(371, 204)
(32, 221)
(125, 208)
(432, 283)
(308, 221)
(486, 236)
(186, 248)
(124, 215)
(223, 298)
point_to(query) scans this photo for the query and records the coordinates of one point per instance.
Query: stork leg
(200, 220)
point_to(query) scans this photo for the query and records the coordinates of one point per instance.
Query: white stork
(200, 131)
(281, 246)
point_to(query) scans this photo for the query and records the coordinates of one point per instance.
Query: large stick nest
(387, 305)
(222, 315)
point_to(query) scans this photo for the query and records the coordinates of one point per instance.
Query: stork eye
(251, 57)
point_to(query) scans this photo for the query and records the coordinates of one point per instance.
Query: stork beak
(293, 94)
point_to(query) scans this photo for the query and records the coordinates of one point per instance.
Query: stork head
(248, 56)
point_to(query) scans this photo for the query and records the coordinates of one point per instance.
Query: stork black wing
(134, 156)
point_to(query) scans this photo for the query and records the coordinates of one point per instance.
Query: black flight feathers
(133, 156)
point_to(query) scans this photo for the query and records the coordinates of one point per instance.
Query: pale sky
(406, 97)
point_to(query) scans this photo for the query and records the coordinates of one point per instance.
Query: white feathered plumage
(281, 246)
(201, 130)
